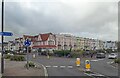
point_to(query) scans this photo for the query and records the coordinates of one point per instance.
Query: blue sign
(27, 42)
(6, 33)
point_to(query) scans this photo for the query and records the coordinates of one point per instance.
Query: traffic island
(16, 68)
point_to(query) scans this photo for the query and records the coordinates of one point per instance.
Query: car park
(112, 56)
(100, 55)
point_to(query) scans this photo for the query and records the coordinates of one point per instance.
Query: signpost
(27, 43)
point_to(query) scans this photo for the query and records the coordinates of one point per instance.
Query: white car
(112, 56)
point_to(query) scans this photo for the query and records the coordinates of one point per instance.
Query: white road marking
(62, 66)
(70, 66)
(94, 60)
(100, 59)
(108, 62)
(55, 66)
(47, 66)
(94, 74)
(45, 70)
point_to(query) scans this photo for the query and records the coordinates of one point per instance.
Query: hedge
(7, 56)
(117, 60)
(61, 52)
(17, 58)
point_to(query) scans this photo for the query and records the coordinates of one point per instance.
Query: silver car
(112, 56)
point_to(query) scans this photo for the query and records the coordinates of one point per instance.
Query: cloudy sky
(93, 19)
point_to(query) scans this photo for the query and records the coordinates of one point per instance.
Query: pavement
(15, 68)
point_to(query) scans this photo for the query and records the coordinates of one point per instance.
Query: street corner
(14, 68)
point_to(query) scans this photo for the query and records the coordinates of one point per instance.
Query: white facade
(110, 45)
(65, 41)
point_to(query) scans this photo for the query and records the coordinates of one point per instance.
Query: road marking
(55, 66)
(70, 66)
(94, 74)
(108, 62)
(45, 70)
(47, 66)
(62, 66)
(100, 59)
(94, 60)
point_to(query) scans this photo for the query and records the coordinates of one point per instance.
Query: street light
(2, 38)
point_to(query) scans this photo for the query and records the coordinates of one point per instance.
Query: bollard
(33, 55)
(48, 56)
(87, 65)
(78, 62)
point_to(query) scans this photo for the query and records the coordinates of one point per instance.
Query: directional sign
(27, 42)
(6, 33)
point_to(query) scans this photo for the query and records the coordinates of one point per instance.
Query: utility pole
(2, 38)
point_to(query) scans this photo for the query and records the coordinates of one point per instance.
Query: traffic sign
(27, 42)
(6, 33)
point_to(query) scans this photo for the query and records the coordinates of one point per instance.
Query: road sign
(78, 62)
(87, 64)
(6, 33)
(27, 42)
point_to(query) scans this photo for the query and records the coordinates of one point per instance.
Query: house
(44, 42)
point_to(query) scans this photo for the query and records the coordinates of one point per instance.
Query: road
(57, 66)
(60, 66)
(103, 67)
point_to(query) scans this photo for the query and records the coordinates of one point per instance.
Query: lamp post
(2, 38)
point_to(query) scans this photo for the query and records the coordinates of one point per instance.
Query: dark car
(100, 55)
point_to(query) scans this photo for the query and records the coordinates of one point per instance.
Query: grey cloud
(59, 17)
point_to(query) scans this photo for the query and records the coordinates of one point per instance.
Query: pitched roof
(28, 36)
(45, 37)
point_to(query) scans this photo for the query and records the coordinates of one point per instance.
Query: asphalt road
(60, 66)
(57, 66)
(103, 67)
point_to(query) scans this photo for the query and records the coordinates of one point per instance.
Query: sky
(96, 19)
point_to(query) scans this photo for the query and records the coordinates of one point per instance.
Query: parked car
(112, 56)
(100, 55)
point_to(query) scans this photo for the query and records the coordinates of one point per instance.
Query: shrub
(17, 58)
(7, 56)
(117, 60)
(30, 64)
(75, 54)
(61, 52)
